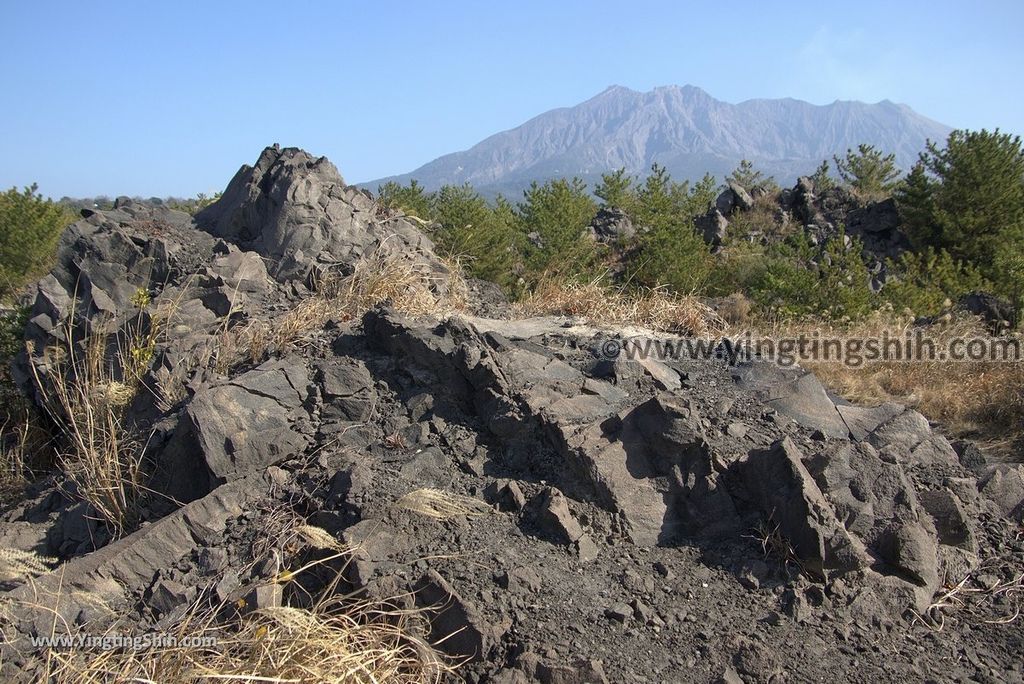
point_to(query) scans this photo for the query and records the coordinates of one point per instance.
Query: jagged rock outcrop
(612, 225)
(296, 212)
(712, 226)
(734, 198)
(602, 497)
(824, 212)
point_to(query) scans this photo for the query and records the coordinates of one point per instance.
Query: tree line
(961, 205)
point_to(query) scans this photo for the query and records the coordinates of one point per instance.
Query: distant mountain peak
(685, 129)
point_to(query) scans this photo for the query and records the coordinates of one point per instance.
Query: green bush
(925, 280)
(411, 200)
(869, 172)
(12, 332)
(194, 205)
(617, 189)
(968, 198)
(821, 178)
(483, 237)
(751, 179)
(30, 227)
(558, 213)
(671, 253)
(736, 268)
(792, 286)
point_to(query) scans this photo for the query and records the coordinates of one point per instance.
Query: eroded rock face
(546, 503)
(296, 211)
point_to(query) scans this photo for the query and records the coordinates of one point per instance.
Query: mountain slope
(683, 128)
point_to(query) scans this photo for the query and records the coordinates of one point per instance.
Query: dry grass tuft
(319, 538)
(85, 393)
(975, 602)
(774, 545)
(406, 282)
(335, 642)
(336, 639)
(604, 305)
(16, 455)
(16, 565)
(434, 503)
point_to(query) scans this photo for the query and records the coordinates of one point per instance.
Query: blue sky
(135, 98)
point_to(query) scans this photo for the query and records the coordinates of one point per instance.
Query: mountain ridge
(683, 128)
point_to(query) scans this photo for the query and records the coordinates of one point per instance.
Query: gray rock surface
(556, 514)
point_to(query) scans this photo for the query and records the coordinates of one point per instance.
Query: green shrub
(194, 205)
(751, 179)
(736, 268)
(821, 178)
(844, 281)
(869, 172)
(484, 238)
(12, 333)
(671, 253)
(617, 189)
(411, 200)
(30, 227)
(792, 286)
(968, 198)
(925, 280)
(557, 212)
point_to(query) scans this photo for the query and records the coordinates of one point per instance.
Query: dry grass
(15, 459)
(604, 305)
(407, 283)
(434, 503)
(774, 545)
(336, 638)
(86, 387)
(19, 565)
(975, 603)
(979, 399)
(335, 642)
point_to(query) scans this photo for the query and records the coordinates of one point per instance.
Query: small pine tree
(30, 227)
(484, 238)
(671, 253)
(558, 211)
(916, 204)
(411, 200)
(925, 280)
(617, 189)
(750, 178)
(821, 178)
(868, 171)
(976, 203)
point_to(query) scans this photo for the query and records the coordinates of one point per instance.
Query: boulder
(1004, 487)
(877, 504)
(612, 225)
(455, 624)
(996, 312)
(347, 390)
(786, 494)
(555, 519)
(733, 198)
(712, 226)
(794, 393)
(875, 218)
(237, 427)
(296, 211)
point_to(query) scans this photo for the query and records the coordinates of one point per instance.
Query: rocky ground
(562, 513)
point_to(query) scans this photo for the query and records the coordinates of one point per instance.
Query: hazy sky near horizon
(143, 99)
